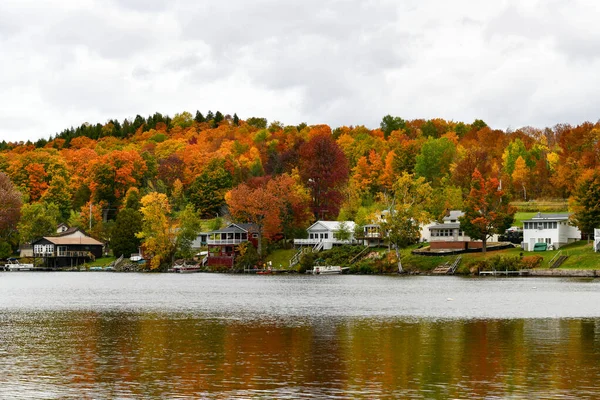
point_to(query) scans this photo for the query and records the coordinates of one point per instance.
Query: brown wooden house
(223, 244)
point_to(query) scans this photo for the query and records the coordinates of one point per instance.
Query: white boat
(327, 270)
(14, 265)
(186, 269)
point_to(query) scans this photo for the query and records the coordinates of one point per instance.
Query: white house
(596, 240)
(323, 234)
(552, 229)
(448, 234)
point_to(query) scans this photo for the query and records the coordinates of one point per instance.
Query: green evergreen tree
(123, 239)
(586, 204)
(207, 192)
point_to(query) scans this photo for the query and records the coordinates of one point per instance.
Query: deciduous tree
(324, 171)
(435, 159)
(38, 220)
(487, 209)
(158, 233)
(258, 206)
(10, 208)
(407, 210)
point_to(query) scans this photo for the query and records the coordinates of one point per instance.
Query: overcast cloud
(339, 62)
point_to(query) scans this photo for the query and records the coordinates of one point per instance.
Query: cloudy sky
(339, 62)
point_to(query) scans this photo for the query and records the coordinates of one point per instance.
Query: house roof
(549, 217)
(60, 240)
(333, 225)
(449, 225)
(233, 228)
(70, 231)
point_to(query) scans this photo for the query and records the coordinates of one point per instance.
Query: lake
(216, 336)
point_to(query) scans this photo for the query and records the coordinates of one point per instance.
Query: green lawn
(281, 257)
(522, 216)
(100, 262)
(581, 255)
(541, 206)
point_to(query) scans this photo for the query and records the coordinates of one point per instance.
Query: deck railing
(225, 241)
(313, 242)
(70, 254)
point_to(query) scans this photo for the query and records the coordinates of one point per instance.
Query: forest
(158, 181)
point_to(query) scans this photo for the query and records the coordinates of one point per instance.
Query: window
(326, 236)
(255, 235)
(548, 241)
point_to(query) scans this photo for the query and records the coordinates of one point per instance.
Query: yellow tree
(520, 174)
(158, 234)
(408, 209)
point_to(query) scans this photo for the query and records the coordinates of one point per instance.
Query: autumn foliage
(285, 177)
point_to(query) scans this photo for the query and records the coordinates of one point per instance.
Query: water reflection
(155, 355)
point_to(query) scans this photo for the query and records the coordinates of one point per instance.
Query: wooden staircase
(447, 268)
(558, 261)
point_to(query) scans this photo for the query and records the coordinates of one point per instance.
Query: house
(62, 230)
(323, 235)
(552, 229)
(596, 240)
(62, 227)
(371, 235)
(223, 244)
(448, 235)
(67, 250)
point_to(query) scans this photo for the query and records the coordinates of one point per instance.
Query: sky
(337, 62)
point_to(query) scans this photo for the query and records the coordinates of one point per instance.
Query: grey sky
(339, 62)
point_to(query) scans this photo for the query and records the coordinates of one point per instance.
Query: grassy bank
(581, 256)
(544, 206)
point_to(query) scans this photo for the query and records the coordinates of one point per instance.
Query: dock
(505, 273)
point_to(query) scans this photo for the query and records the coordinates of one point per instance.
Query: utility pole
(90, 217)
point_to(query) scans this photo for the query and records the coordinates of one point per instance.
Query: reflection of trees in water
(166, 355)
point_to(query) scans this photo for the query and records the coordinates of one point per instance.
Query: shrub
(307, 261)
(532, 261)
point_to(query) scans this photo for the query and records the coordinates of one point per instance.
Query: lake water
(109, 335)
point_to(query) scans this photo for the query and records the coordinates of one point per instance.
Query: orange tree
(487, 209)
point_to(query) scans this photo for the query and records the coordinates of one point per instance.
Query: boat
(264, 271)
(186, 269)
(15, 265)
(327, 270)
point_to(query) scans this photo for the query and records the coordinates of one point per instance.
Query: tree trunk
(259, 249)
(484, 244)
(400, 270)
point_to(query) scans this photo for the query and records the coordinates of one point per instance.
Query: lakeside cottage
(223, 244)
(324, 234)
(449, 236)
(552, 229)
(70, 248)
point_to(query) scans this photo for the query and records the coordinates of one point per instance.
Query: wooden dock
(497, 273)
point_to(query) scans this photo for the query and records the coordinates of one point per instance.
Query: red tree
(10, 207)
(324, 170)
